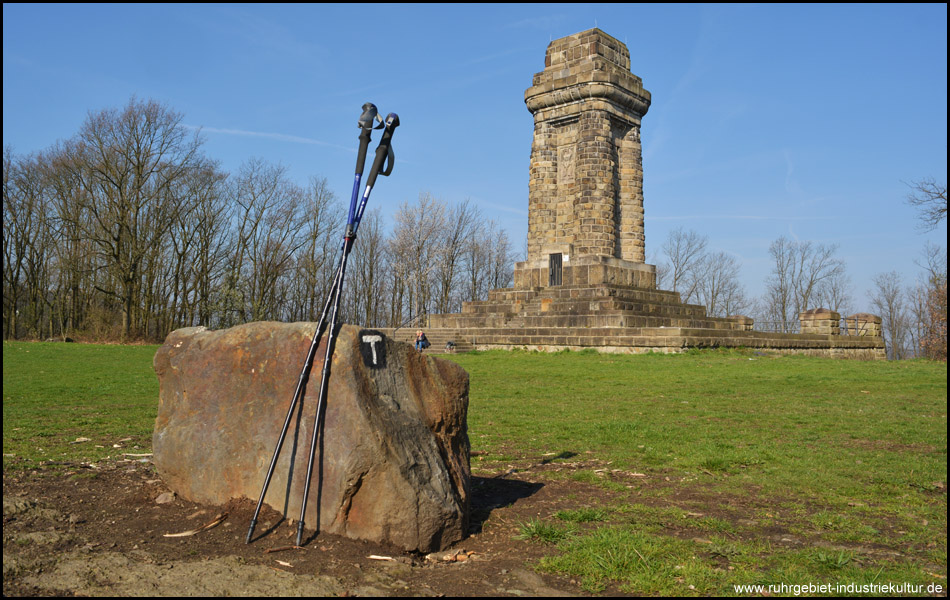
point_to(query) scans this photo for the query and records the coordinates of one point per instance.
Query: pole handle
(370, 113)
(384, 150)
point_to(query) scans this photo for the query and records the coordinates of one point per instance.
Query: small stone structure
(864, 324)
(820, 321)
(392, 464)
(584, 283)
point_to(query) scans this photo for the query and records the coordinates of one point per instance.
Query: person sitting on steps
(421, 341)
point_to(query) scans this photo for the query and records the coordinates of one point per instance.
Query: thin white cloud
(501, 207)
(544, 22)
(281, 137)
(737, 218)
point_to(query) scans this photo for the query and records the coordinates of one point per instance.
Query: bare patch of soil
(84, 530)
(79, 530)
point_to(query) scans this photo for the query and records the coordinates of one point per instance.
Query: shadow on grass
(563, 455)
(489, 493)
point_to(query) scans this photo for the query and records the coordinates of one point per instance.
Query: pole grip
(365, 134)
(364, 145)
(383, 150)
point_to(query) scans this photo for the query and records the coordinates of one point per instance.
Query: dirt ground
(99, 530)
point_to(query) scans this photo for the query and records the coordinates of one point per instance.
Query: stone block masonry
(585, 187)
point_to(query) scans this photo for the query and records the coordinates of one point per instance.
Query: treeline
(127, 231)
(806, 275)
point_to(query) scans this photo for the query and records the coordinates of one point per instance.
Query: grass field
(730, 468)
(844, 460)
(55, 394)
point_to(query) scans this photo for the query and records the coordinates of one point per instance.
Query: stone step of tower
(511, 296)
(669, 339)
(437, 338)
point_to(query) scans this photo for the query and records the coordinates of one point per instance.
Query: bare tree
(475, 261)
(501, 258)
(461, 222)
(800, 270)
(928, 304)
(14, 244)
(196, 247)
(269, 235)
(75, 254)
(718, 286)
(317, 259)
(779, 302)
(887, 298)
(817, 265)
(414, 245)
(127, 162)
(366, 289)
(684, 251)
(835, 293)
(212, 218)
(930, 199)
(27, 239)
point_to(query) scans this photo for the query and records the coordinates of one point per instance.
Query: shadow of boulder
(489, 493)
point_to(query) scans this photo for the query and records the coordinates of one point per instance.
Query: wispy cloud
(266, 34)
(739, 218)
(791, 182)
(495, 56)
(501, 207)
(281, 137)
(544, 22)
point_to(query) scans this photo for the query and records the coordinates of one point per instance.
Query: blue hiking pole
(366, 124)
(383, 151)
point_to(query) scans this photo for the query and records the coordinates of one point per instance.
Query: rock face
(392, 463)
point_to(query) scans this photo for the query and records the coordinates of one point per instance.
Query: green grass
(55, 394)
(781, 422)
(582, 515)
(759, 469)
(541, 531)
(706, 469)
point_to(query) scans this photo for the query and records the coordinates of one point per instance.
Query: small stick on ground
(282, 548)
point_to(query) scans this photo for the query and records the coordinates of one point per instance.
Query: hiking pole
(383, 152)
(365, 124)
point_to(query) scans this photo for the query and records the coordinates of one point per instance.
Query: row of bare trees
(128, 231)
(915, 317)
(711, 279)
(806, 275)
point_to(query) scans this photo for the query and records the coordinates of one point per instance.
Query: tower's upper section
(588, 65)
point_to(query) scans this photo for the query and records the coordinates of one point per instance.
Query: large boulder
(392, 465)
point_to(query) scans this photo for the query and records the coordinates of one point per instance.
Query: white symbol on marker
(371, 340)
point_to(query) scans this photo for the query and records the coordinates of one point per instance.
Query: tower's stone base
(585, 270)
(600, 305)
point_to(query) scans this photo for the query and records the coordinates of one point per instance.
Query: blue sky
(806, 121)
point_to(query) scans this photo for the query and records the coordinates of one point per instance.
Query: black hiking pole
(383, 152)
(366, 124)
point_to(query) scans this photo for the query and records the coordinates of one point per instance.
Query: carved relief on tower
(565, 165)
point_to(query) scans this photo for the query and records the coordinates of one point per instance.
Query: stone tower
(585, 190)
(584, 283)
